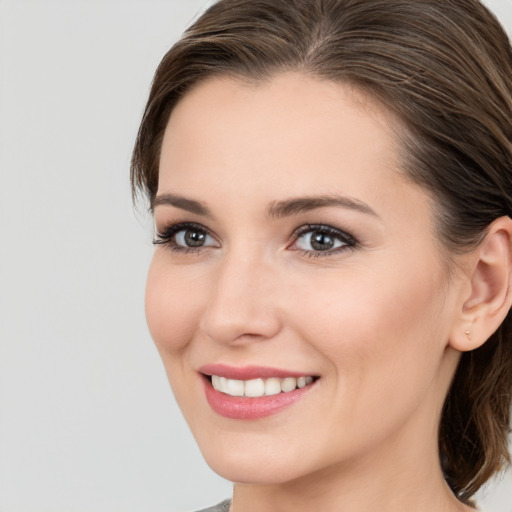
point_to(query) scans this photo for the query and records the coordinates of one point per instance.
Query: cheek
(379, 330)
(384, 345)
(173, 305)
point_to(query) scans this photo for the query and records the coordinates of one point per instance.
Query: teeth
(288, 384)
(272, 386)
(255, 388)
(219, 383)
(234, 387)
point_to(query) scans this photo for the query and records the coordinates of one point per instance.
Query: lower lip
(245, 408)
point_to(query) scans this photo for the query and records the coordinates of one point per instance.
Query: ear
(490, 296)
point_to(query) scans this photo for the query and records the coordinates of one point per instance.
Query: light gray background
(87, 421)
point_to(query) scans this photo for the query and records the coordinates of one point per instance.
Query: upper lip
(248, 372)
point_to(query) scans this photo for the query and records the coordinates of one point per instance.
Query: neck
(355, 495)
(366, 490)
(402, 474)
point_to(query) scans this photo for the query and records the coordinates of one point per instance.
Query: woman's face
(291, 250)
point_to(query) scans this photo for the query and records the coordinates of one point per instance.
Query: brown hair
(445, 68)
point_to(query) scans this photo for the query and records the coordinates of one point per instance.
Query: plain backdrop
(87, 420)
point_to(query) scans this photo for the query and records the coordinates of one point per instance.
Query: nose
(242, 306)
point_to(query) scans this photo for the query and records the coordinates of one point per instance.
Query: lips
(253, 392)
(255, 388)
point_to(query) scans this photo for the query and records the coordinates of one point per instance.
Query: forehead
(293, 124)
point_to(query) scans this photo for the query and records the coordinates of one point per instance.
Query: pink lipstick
(253, 392)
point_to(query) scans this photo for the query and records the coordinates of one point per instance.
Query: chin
(245, 471)
(253, 466)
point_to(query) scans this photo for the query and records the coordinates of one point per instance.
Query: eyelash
(348, 241)
(167, 238)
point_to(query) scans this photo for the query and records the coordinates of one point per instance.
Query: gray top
(221, 507)
(224, 507)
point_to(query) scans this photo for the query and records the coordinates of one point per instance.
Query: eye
(322, 240)
(185, 237)
(191, 238)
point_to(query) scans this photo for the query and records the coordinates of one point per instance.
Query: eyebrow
(277, 209)
(299, 205)
(190, 205)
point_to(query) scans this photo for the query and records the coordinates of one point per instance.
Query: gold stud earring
(468, 334)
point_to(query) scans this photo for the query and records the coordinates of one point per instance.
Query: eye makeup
(185, 237)
(311, 240)
(324, 240)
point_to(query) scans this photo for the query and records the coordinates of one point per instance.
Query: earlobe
(490, 294)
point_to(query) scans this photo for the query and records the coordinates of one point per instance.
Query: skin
(374, 321)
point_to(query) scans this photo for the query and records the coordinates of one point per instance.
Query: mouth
(259, 387)
(263, 391)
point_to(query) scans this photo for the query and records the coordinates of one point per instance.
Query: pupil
(194, 238)
(321, 242)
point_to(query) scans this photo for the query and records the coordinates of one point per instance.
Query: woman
(331, 182)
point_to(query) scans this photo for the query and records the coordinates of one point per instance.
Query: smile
(254, 392)
(256, 388)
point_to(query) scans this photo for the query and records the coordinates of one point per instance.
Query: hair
(444, 67)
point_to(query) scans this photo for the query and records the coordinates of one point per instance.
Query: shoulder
(221, 507)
